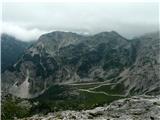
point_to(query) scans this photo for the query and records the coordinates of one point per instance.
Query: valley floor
(135, 108)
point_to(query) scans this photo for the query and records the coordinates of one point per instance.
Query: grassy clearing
(65, 97)
(110, 89)
(96, 99)
(59, 98)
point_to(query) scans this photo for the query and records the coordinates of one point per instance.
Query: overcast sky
(27, 21)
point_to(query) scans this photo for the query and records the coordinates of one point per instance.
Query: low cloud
(128, 19)
(21, 33)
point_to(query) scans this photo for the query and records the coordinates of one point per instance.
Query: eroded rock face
(135, 108)
(64, 57)
(143, 77)
(61, 57)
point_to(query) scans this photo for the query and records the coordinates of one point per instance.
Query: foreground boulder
(135, 108)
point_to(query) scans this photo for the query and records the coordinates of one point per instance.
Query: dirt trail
(102, 93)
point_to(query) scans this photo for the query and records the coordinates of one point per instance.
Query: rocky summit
(135, 108)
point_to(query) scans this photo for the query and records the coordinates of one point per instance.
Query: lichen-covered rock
(135, 108)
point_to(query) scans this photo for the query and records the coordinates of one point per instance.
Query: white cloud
(28, 20)
(21, 33)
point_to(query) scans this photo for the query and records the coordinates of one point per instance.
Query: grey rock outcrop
(135, 108)
(143, 77)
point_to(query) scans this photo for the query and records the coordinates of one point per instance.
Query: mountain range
(65, 70)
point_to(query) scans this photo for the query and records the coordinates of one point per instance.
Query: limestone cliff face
(64, 57)
(143, 77)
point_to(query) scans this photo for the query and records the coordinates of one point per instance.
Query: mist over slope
(11, 50)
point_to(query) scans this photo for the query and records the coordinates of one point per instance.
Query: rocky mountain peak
(65, 57)
(64, 71)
